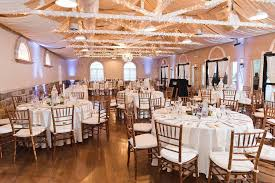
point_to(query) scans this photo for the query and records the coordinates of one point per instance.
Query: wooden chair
(62, 127)
(137, 143)
(169, 98)
(237, 164)
(120, 102)
(229, 104)
(6, 136)
(78, 95)
(269, 121)
(102, 88)
(156, 103)
(173, 154)
(257, 103)
(144, 104)
(20, 99)
(206, 94)
(23, 129)
(98, 121)
(184, 100)
(229, 94)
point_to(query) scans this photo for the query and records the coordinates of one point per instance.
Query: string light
(122, 47)
(160, 19)
(139, 33)
(130, 41)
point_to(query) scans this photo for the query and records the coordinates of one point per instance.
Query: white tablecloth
(207, 134)
(41, 115)
(131, 96)
(240, 96)
(77, 88)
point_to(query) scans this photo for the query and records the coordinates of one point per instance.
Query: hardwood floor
(99, 162)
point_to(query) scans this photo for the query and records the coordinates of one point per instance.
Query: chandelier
(127, 57)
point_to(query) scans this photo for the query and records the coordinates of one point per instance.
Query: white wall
(14, 75)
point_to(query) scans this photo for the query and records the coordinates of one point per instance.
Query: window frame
(47, 52)
(130, 78)
(20, 41)
(91, 78)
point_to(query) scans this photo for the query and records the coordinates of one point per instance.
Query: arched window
(22, 52)
(96, 72)
(48, 61)
(130, 73)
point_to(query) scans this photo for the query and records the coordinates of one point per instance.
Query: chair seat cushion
(4, 121)
(142, 127)
(62, 129)
(93, 120)
(144, 106)
(222, 158)
(267, 153)
(187, 154)
(5, 129)
(260, 110)
(121, 106)
(271, 121)
(259, 114)
(26, 132)
(144, 141)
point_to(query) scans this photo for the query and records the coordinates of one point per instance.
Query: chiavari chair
(138, 142)
(229, 104)
(78, 95)
(102, 88)
(97, 121)
(114, 88)
(257, 103)
(172, 153)
(120, 101)
(169, 98)
(144, 103)
(269, 120)
(184, 100)
(25, 129)
(206, 94)
(62, 127)
(20, 99)
(237, 164)
(229, 94)
(6, 136)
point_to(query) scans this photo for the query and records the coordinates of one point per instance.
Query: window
(130, 71)
(48, 61)
(22, 52)
(96, 72)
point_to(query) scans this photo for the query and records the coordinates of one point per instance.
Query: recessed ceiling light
(187, 41)
(260, 15)
(66, 3)
(84, 50)
(150, 29)
(80, 38)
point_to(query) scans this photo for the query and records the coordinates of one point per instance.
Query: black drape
(267, 54)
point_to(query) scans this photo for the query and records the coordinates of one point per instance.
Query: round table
(132, 96)
(205, 134)
(41, 115)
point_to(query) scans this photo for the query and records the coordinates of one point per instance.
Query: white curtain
(211, 69)
(187, 72)
(223, 66)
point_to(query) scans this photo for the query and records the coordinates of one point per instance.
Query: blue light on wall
(72, 64)
(148, 64)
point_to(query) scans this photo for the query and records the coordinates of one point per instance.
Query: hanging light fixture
(150, 29)
(80, 38)
(127, 57)
(260, 15)
(233, 18)
(84, 50)
(187, 41)
(66, 3)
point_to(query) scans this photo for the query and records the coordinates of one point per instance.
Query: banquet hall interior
(119, 91)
